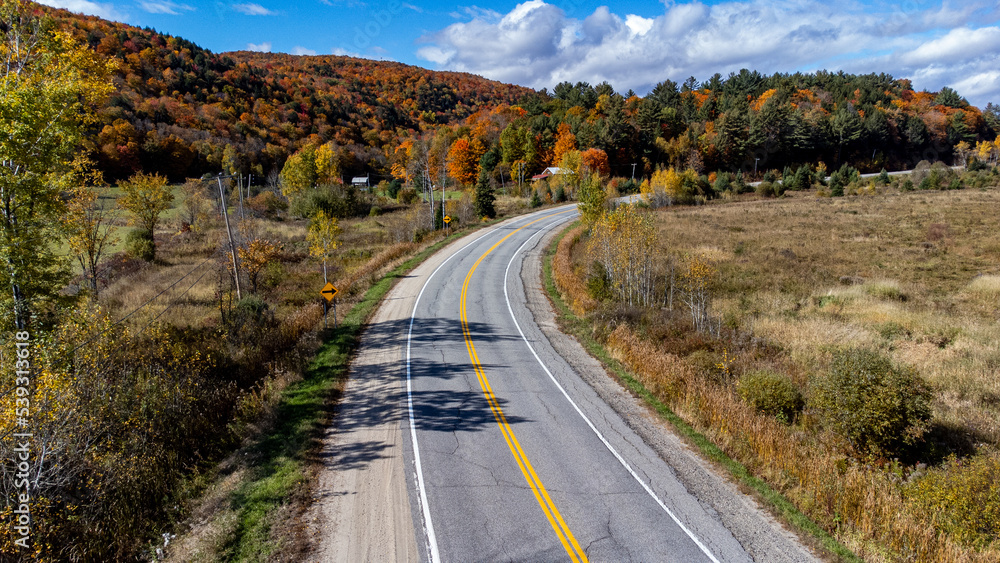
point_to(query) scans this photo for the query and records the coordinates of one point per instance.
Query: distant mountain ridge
(179, 105)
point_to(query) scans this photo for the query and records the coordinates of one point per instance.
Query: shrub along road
(472, 430)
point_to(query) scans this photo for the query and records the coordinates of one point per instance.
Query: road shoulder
(360, 507)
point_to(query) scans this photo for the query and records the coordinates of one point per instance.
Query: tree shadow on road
(435, 407)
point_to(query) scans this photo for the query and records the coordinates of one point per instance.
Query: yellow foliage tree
(696, 277)
(324, 238)
(667, 187)
(987, 151)
(571, 168)
(88, 231)
(145, 196)
(963, 150)
(662, 188)
(299, 172)
(593, 200)
(621, 241)
(327, 165)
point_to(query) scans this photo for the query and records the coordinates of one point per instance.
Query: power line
(172, 303)
(150, 300)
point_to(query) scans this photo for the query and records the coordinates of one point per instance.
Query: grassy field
(912, 276)
(915, 275)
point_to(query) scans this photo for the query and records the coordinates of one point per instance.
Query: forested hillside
(184, 111)
(179, 106)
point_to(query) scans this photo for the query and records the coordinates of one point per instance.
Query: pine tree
(485, 197)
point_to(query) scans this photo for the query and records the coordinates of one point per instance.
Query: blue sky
(632, 45)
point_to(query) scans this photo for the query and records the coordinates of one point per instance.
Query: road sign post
(329, 292)
(447, 220)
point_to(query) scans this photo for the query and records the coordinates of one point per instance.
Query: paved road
(514, 456)
(471, 429)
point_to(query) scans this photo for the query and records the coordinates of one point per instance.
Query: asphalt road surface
(516, 458)
(471, 429)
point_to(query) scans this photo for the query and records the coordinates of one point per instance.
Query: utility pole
(430, 188)
(240, 189)
(232, 245)
(444, 180)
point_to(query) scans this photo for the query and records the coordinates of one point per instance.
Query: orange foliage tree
(255, 255)
(463, 160)
(565, 142)
(595, 161)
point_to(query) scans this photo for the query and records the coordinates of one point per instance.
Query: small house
(549, 172)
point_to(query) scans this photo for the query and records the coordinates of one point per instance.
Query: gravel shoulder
(360, 510)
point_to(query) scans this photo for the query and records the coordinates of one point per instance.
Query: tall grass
(567, 279)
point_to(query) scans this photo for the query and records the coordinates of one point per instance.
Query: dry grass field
(912, 276)
(916, 275)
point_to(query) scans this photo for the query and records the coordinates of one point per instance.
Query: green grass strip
(280, 457)
(579, 328)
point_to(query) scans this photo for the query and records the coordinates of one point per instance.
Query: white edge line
(424, 506)
(580, 412)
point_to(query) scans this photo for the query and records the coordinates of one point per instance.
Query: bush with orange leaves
(569, 283)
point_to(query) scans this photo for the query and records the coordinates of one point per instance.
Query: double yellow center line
(569, 542)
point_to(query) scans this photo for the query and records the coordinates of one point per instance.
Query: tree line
(183, 111)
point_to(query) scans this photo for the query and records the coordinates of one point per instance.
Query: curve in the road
(469, 502)
(590, 424)
(555, 519)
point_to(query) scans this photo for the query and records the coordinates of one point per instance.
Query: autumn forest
(183, 111)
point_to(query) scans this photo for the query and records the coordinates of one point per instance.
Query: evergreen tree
(484, 197)
(535, 200)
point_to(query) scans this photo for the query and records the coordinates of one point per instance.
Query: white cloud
(106, 11)
(253, 10)
(264, 47)
(164, 7)
(982, 85)
(638, 24)
(956, 45)
(537, 44)
(302, 51)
